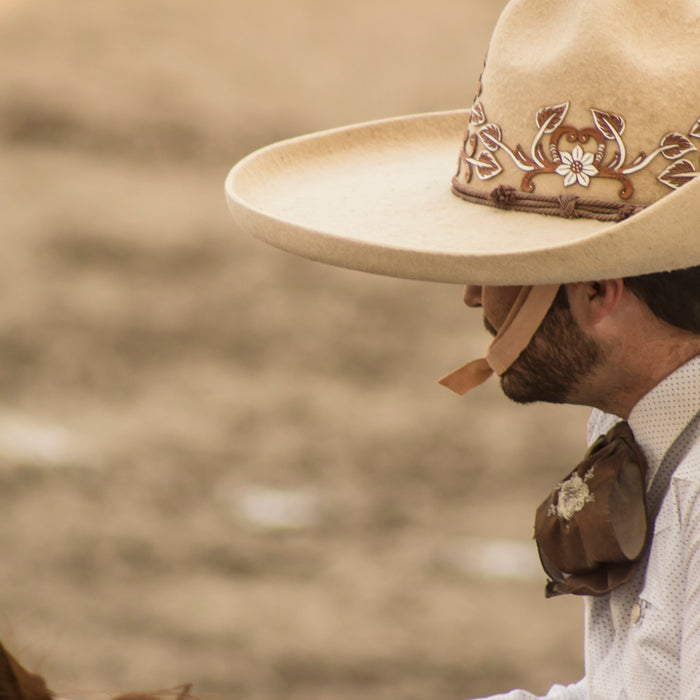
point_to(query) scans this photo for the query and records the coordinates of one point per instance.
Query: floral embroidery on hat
(572, 496)
(576, 166)
(587, 157)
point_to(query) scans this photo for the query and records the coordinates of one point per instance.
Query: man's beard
(556, 361)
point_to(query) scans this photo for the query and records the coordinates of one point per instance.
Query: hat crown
(618, 82)
(605, 47)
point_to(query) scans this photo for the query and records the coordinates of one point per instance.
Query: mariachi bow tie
(594, 528)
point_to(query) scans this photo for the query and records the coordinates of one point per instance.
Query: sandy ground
(219, 463)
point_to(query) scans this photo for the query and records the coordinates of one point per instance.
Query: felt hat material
(588, 111)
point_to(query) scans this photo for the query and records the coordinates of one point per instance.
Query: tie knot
(592, 530)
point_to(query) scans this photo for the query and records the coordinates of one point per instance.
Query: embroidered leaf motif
(487, 166)
(675, 145)
(695, 131)
(478, 117)
(491, 136)
(468, 172)
(522, 157)
(464, 170)
(608, 123)
(470, 145)
(554, 115)
(678, 174)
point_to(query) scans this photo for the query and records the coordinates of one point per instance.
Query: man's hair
(674, 297)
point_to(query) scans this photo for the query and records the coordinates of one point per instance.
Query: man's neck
(621, 387)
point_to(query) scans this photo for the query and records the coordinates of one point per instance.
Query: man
(603, 346)
(574, 218)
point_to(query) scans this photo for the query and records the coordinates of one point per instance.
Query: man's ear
(592, 302)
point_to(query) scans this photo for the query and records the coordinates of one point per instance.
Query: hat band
(577, 153)
(569, 206)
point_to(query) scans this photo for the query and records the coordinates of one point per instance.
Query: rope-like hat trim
(570, 206)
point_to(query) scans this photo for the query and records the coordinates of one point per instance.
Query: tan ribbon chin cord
(524, 318)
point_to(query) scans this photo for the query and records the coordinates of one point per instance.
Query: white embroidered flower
(576, 166)
(573, 496)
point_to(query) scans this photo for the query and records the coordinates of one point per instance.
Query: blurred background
(219, 463)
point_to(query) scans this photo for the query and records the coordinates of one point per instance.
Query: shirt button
(636, 613)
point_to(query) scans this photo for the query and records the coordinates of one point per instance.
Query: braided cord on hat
(569, 206)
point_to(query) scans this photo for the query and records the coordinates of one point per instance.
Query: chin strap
(524, 318)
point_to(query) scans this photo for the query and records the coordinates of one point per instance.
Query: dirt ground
(219, 463)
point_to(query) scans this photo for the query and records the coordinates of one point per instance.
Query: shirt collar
(662, 414)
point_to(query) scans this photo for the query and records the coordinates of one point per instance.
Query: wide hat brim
(377, 197)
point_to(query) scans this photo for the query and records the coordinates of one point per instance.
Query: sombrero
(578, 160)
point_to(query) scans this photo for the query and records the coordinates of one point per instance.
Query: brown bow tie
(594, 528)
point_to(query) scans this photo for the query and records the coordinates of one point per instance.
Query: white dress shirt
(642, 640)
